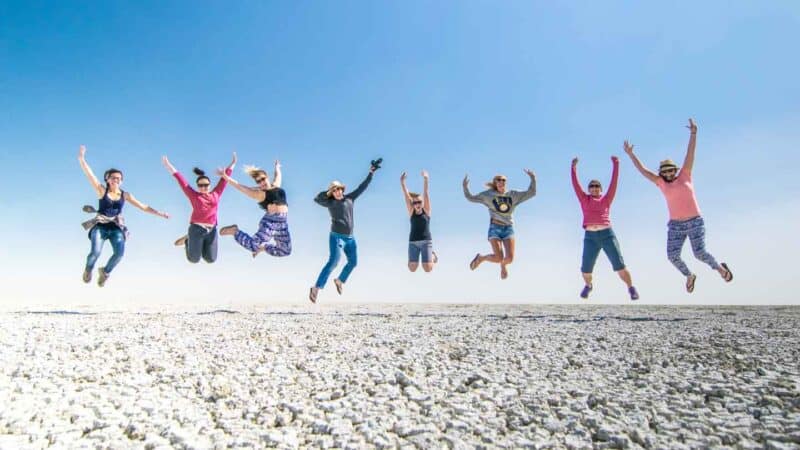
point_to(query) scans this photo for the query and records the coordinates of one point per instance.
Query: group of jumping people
(273, 237)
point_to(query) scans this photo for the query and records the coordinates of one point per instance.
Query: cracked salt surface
(408, 376)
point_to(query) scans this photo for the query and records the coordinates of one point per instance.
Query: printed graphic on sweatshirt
(502, 204)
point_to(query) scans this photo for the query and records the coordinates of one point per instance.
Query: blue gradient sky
(453, 87)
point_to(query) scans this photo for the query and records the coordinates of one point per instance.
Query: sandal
(474, 263)
(338, 284)
(312, 294)
(728, 274)
(227, 230)
(690, 283)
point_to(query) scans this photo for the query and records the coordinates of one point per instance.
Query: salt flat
(402, 376)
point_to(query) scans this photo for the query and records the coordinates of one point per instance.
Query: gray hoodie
(501, 206)
(342, 210)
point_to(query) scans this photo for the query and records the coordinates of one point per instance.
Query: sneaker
(585, 291)
(102, 276)
(312, 294)
(87, 275)
(339, 285)
(181, 241)
(634, 293)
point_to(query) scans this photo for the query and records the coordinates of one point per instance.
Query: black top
(274, 196)
(341, 211)
(110, 208)
(420, 227)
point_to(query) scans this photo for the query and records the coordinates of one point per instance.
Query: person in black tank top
(108, 224)
(420, 243)
(273, 235)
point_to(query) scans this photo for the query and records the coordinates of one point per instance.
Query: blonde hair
(493, 184)
(413, 195)
(254, 171)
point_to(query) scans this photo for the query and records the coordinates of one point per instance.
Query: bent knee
(427, 267)
(413, 266)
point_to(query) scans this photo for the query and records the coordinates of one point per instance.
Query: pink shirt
(596, 210)
(204, 206)
(680, 197)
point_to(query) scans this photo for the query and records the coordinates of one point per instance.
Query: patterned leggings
(272, 236)
(696, 231)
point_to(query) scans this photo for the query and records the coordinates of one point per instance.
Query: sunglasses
(261, 180)
(594, 186)
(497, 180)
(203, 185)
(416, 202)
(115, 178)
(665, 171)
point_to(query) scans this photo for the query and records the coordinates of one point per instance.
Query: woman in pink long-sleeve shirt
(201, 239)
(599, 235)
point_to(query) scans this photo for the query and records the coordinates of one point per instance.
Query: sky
(453, 87)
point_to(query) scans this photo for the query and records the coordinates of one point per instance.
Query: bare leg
(625, 276)
(427, 267)
(587, 279)
(496, 256)
(508, 246)
(412, 266)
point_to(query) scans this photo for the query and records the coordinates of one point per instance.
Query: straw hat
(667, 164)
(335, 184)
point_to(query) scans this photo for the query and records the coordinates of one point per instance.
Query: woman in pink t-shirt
(684, 214)
(596, 209)
(201, 238)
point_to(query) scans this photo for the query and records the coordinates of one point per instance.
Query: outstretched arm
(361, 187)
(98, 188)
(276, 181)
(130, 198)
(406, 197)
(467, 194)
(612, 186)
(688, 162)
(641, 168)
(425, 193)
(184, 185)
(576, 185)
(256, 194)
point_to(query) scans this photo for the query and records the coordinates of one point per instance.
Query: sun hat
(335, 184)
(667, 164)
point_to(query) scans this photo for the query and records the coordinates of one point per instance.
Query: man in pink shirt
(597, 223)
(201, 239)
(684, 214)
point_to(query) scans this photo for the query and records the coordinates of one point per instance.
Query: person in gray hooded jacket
(501, 203)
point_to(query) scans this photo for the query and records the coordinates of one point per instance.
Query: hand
(614, 159)
(530, 173)
(425, 174)
(165, 162)
(574, 162)
(372, 169)
(628, 148)
(163, 214)
(465, 183)
(221, 172)
(692, 126)
(233, 160)
(277, 165)
(82, 152)
(403, 177)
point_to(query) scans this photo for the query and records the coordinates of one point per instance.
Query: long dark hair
(200, 175)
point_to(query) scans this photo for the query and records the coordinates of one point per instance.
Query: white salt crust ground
(403, 376)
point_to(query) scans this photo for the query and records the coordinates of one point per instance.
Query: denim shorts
(420, 248)
(605, 240)
(500, 232)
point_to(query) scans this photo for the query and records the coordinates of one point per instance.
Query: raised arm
(406, 197)
(467, 194)
(531, 192)
(361, 187)
(688, 162)
(612, 186)
(148, 209)
(276, 181)
(322, 199)
(222, 181)
(426, 193)
(641, 168)
(184, 185)
(576, 185)
(256, 194)
(98, 188)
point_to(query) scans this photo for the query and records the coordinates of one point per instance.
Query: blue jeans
(97, 236)
(500, 232)
(593, 242)
(338, 241)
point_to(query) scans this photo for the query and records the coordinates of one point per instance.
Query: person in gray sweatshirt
(501, 203)
(340, 207)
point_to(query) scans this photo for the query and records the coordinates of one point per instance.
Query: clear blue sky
(452, 87)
